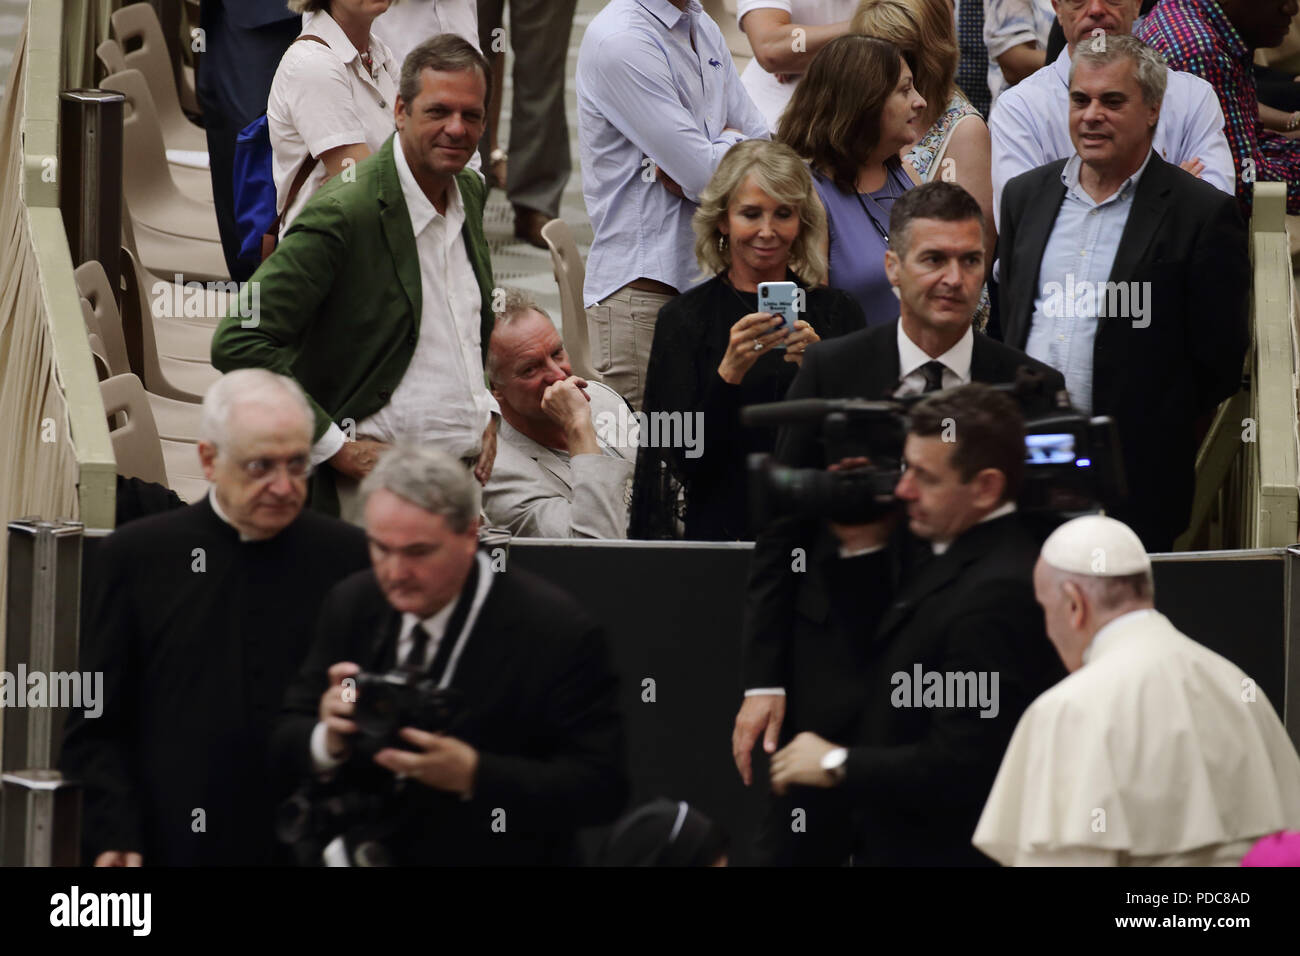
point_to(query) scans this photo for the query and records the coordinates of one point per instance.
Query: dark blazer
(539, 707)
(918, 776)
(793, 635)
(1188, 241)
(340, 299)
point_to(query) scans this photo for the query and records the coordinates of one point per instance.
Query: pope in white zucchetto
(1155, 751)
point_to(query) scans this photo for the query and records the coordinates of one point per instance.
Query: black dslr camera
(388, 702)
(1072, 462)
(348, 819)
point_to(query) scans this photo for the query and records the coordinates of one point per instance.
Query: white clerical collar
(216, 510)
(1001, 511)
(418, 206)
(957, 359)
(1105, 637)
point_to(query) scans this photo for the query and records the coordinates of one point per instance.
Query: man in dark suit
(951, 645)
(1132, 277)
(800, 668)
(199, 619)
(535, 752)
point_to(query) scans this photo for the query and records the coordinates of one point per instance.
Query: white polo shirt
(323, 97)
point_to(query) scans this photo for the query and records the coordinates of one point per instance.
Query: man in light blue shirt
(659, 104)
(1030, 125)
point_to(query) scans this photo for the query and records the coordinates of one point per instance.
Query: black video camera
(1072, 463)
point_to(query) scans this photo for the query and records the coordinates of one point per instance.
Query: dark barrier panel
(674, 614)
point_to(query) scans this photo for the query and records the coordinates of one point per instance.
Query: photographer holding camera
(800, 652)
(448, 714)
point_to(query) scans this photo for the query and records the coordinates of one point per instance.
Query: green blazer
(337, 305)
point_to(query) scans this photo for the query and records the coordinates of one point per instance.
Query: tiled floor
(516, 263)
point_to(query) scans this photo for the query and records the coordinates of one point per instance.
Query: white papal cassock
(1157, 752)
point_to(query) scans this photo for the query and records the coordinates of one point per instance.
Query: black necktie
(414, 662)
(933, 374)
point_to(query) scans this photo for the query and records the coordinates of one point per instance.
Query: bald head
(1092, 570)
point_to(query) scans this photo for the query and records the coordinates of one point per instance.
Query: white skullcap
(1096, 546)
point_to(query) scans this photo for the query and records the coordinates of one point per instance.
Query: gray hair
(428, 478)
(1152, 70)
(249, 386)
(444, 53)
(1113, 592)
(517, 304)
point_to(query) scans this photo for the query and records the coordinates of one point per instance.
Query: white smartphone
(780, 298)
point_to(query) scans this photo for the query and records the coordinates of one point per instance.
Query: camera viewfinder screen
(1054, 449)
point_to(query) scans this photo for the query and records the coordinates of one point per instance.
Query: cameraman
(949, 646)
(791, 641)
(536, 749)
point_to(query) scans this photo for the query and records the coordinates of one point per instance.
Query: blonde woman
(759, 221)
(954, 144)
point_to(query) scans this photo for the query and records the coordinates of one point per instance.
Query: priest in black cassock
(198, 620)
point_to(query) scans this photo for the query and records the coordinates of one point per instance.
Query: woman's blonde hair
(924, 31)
(779, 172)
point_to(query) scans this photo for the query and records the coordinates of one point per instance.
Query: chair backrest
(135, 443)
(570, 273)
(104, 318)
(142, 343)
(110, 55)
(144, 48)
(147, 183)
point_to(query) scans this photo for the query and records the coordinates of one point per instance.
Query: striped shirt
(1196, 36)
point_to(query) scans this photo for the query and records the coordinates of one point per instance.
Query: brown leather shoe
(528, 226)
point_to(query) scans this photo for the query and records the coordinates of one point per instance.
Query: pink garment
(1279, 849)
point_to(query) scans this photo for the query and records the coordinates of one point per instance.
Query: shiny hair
(779, 172)
(428, 478)
(946, 202)
(833, 118)
(444, 53)
(1151, 68)
(987, 426)
(248, 386)
(924, 31)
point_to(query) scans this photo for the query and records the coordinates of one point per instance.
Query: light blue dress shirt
(1076, 265)
(645, 96)
(1030, 127)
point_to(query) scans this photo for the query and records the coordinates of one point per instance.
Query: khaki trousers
(620, 330)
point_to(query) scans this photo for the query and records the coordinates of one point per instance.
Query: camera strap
(466, 614)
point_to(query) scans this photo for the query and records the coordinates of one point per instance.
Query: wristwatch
(1294, 125)
(833, 764)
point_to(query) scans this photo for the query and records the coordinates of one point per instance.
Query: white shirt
(323, 98)
(1031, 127)
(404, 26)
(1012, 23)
(768, 94)
(956, 363)
(442, 398)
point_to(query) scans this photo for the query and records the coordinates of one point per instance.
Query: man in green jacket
(378, 300)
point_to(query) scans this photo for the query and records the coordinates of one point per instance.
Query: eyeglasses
(298, 466)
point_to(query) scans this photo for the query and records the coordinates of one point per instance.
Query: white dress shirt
(322, 98)
(442, 398)
(1030, 127)
(768, 93)
(647, 99)
(955, 361)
